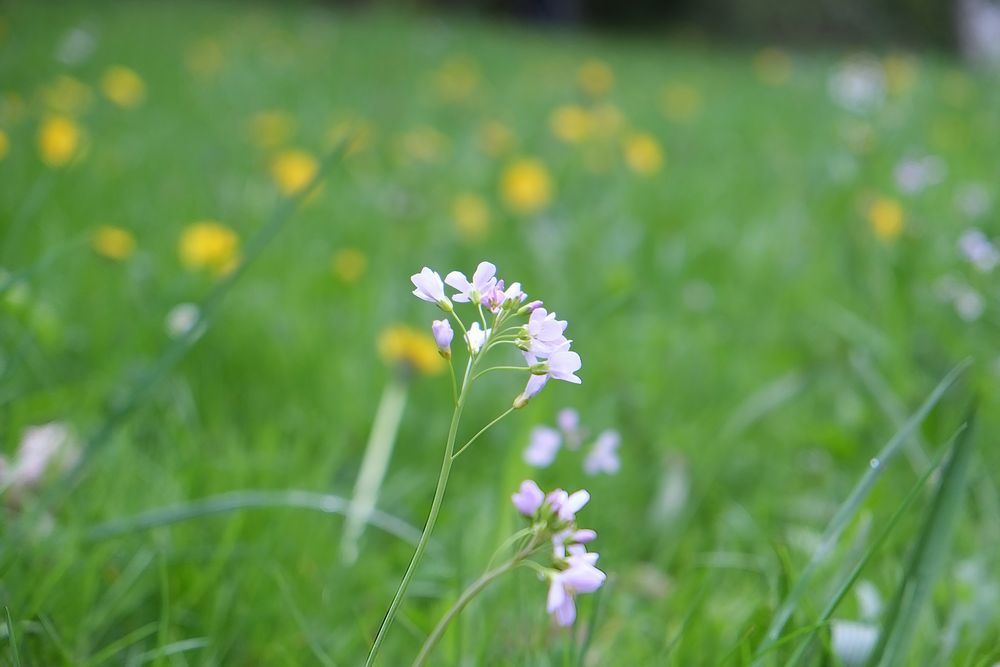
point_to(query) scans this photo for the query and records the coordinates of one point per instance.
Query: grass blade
(15, 658)
(845, 513)
(928, 556)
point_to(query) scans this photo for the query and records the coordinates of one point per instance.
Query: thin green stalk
(454, 381)
(481, 431)
(499, 368)
(467, 595)
(442, 484)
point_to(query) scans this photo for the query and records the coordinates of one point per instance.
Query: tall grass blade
(15, 657)
(929, 555)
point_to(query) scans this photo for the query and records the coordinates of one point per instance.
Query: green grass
(739, 323)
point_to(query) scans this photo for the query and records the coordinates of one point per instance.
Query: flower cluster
(541, 339)
(545, 443)
(573, 571)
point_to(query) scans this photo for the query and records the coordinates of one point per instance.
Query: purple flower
(544, 333)
(580, 577)
(442, 336)
(430, 288)
(542, 447)
(535, 384)
(574, 538)
(498, 297)
(568, 421)
(603, 456)
(483, 281)
(476, 337)
(566, 505)
(978, 250)
(528, 498)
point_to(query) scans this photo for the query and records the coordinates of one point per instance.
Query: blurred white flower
(603, 456)
(76, 45)
(542, 447)
(182, 318)
(973, 200)
(969, 305)
(853, 642)
(42, 448)
(916, 174)
(568, 421)
(869, 600)
(979, 250)
(858, 85)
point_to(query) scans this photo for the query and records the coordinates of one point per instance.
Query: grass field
(758, 253)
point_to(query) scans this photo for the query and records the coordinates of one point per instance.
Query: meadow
(770, 264)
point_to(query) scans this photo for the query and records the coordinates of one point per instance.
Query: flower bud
(529, 307)
(442, 336)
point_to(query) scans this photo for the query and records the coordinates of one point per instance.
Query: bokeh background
(769, 225)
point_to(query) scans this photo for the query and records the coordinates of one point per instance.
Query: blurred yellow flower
(885, 215)
(270, 129)
(209, 245)
(412, 349)
(595, 77)
(58, 140)
(12, 108)
(113, 242)
(349, 265)
(495, 138)
(471, 216)
(204, 58)
(4, 144)
(123, 86)
(457, 79)
(570, 123)
(526, 186)
(772, 66)
(423, 144)
(606, 120)
(293, 170)
(642, 153)
(68, 95)
(900, 73)
(358, 132)
(681, 102)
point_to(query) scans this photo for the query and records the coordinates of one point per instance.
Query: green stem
(467, 595)
(481, 431)
(418, 553)
(454, 382)
(500, 368)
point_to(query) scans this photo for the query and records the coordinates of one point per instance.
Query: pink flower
(543, 447)
(544, 332)
(483, 281)
(566, 505)
(528, 499)
(443, 334)
(603, 456)
(430, 288)
(580, 577)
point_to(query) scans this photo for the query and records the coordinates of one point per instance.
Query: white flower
(979, 250)
(603, 456)
(476, 337)
(542, 447)
(580, 577)
(41, 447)
(544, 333)
(430, 288)
(483, 281)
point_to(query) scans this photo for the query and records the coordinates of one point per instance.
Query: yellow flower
(209, 245)
(900, 73)
(457, 79)
(113, 242)
(4, 144)
(471, 216)
(526, 186)
(349, 264)
(681, 102)
(68, 95)
(423, 144)
(123, 86)
(570, 123)
(595, 77)
(271, 129)
(12, 108)
(495, 138)
(411, 349)
(772, 66)
(293, 170)
(642, 153)
(885, 215)
(58, 140)
(204, 58)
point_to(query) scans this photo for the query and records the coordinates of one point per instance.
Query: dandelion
(526, 186)
(443, 335)
(59, 140)
(430, 288)
(349, 264)
(603, 456)
(886, 218)
(543, 446)
(270, 129)
(595, 77)
(67, 95)
(483, 281)
(772, 66)
(570, 123)
(113, 243)
(410, 350)
(123, 86)
(209, 245)
(471, 216)
(293, 171)
(681, 102)
(642, 153)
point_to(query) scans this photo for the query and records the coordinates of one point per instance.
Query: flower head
(498, 297)
(430, 288)
(562, 364)
(603, 456)
(979, 250)
(209, 245)
(483, 281)
(443, 334)
(543, 333)
(476, 337)
(566, 505)
(526, 186)
(410, 349)
(113, 243)
(123, 86)
(293, 171)
(580, 576)
(528, 499)
(59, 140)
(542, 447)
